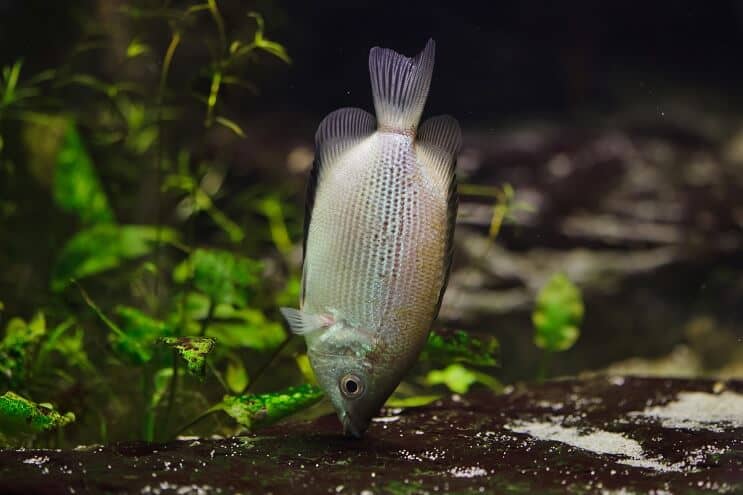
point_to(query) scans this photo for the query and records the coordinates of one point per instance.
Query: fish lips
(352, 428)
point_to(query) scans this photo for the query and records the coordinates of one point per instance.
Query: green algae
(193, 350)
(22, 417)
(255, 411)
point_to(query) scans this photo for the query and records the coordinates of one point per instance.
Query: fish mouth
(351, 429)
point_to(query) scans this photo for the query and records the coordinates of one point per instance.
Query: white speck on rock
(39, 460)
(386, 419)
(468, 472)
(699, 410)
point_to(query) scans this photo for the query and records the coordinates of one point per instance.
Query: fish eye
(351, 386)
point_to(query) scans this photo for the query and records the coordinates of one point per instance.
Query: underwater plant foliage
(155, 282)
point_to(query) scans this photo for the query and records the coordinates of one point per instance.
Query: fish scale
(369, 238)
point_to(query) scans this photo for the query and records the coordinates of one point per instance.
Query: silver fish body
(378, 240)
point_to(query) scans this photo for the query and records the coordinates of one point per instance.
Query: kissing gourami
(379, 223)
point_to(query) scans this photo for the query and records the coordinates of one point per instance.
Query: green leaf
(104, 247)
(231, 125)
(255, 411)
(69, 345)
(289, 295)
(9, 82)
(413, 401)
(261, 42)
(460, 347)
(558, 314)
(459, 379)
(253, 332)
(18, 346)
(18, 333)
(136, 48)
(77, 188)
(193, 350)
(137, 335)
(231, 327)
(223, 276)
(141, 326)
(20, 416)
(124, 344)
(303, 363)
(236, 375)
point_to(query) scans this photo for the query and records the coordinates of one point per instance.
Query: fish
(379, 224)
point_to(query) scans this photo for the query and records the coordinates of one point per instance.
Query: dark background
(495, 60)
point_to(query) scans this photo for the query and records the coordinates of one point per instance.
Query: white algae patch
(597, 441)
(699, 410)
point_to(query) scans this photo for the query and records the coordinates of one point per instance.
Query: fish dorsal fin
(302, 323)
(400, 86)
(340, 130)
(437, 146)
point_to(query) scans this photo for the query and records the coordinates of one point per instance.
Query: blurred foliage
(153, 252)
(76, 185)
(413, 401)
(558, 314)
(100, 144)
(18, 346)
(459, 378)
(223, 277)
(104, 247)
(505, 209)
(460, 347)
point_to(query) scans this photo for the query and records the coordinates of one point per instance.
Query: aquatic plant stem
(198, 418)
(209, 317)
(172, 388)
(159, 159)
(267, 363)
(544, 366)
(148, 421)
(218, 376)
(212, 100)
(206, 413)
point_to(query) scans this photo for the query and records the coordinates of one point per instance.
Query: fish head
(356, 387)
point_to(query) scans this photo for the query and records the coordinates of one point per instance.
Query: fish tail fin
(400, 86)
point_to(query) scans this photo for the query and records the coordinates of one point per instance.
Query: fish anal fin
(302, 323)
(437, 145)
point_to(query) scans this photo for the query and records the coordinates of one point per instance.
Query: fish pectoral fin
(302, 323)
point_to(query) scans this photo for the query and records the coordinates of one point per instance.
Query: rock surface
(595, 435)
